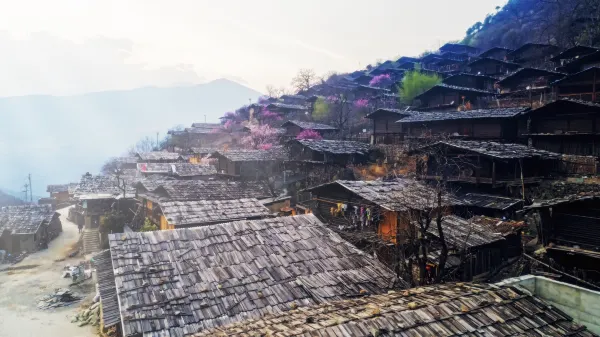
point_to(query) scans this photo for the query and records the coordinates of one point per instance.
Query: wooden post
(594, 86)
(522, 179)
(493, 173)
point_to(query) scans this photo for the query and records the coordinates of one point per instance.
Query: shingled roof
(437, 116)
(309, 125)
(453, 309)
(203, 212)
(336, 146)
(99, 186)
(488, 59)
(490, 201)
(463, 234)
(57, 188)
(442, 87)
(399, 194)
(493, 49)
(164, 168)
(192, 170)
(187, 190)
(388, 112)
(158, 155)
(25, 219)
(283, 106)
(522, 73)
(499, 150)
(238, 155)
(179, 282)
(107, 289)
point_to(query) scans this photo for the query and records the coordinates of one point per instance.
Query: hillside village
(466, 205)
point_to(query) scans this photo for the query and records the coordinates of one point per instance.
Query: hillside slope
(57, 139)
(561, 22)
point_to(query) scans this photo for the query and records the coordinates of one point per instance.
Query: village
(471, 208)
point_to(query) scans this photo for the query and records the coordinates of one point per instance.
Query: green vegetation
(562, 22)
(415, 83)
(321, 109)
(148, 226)
(113, 222)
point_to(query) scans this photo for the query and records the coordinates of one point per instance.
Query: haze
(74, 46)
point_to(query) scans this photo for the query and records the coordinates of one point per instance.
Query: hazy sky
(74, 46)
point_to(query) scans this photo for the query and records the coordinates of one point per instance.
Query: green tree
(113, 222)
(148, 226)
(416, 83)
(321, 110)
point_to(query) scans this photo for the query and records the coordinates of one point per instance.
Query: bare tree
(146, 144)
(304, 79)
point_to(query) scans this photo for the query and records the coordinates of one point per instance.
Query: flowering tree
(362, 103)
(260, 137)
(309, 134)
(269, 116)
(381, 81)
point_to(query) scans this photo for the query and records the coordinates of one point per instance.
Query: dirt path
(40, 275)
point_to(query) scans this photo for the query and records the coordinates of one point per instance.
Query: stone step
(91, 241)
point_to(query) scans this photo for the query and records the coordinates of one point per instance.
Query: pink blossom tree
(260, 137)
(270, 116)
(362, 103)
(381, 81)
(309, 134)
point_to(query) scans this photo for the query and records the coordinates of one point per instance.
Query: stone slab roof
(25, 219)
(186, 213)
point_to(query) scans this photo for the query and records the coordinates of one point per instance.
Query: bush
(148, 226)
(416, 83)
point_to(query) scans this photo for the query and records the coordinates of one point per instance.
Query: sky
(65, 47)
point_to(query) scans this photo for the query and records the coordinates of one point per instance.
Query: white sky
(74, 46)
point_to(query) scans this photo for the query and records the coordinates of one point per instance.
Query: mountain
(561, 22)
(8, 200)
(58, 138)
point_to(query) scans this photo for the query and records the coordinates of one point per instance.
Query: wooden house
(185, 214)
(294, 99)
(337, 152)
(486, 163)
(497, 53)
(445, 94)
(498, 123)
(27, 228)
(572, 54)
(478, 247)
(153, 194)
(569, 228)
(492, 67)
(59, 192)
(380, 207)
(199, 135)
(584, 85)
(385, 128)
(404, 59)
(450, 65)
(290, 110)
(433, 311)
(581, 63)
(466, 80)
(529, 80)
(199, 155)
(535, 55)
(295, 127)
(459, 48)
(239, 269)
(564, 126)
(407, 65)
(250, 164)
(429, 61)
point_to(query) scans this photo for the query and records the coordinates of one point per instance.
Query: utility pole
(30, 190)
(25, 187)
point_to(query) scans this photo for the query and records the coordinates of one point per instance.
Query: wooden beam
(493, 172)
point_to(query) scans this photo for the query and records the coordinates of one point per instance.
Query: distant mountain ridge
(58, 138)
(8, 200)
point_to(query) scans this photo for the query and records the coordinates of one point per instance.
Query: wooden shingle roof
(57, 188)
(25, 219)
(453, 309)
(107, 289)
(309, 125)
(336, 146)
(202, 212)
(499, 150)
(182, 281)
(435, 116)
(158, 155)
(395, 195)
(240, 155)
(462, 234)
(188, 190)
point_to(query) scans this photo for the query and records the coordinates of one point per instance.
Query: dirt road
(20, 289)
